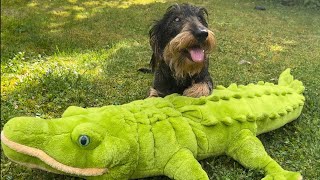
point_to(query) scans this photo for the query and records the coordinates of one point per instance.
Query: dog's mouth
(195, 54)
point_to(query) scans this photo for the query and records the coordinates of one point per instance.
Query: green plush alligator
(159, 136)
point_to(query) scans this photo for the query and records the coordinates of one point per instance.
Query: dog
(181, 42)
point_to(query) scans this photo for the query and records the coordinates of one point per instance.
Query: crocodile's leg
(183, 166)
(249, 151)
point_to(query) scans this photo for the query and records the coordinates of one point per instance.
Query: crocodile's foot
(285, 175)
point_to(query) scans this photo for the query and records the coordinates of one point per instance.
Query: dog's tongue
(197, 54)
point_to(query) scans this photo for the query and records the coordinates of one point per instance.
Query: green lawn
(86, 53)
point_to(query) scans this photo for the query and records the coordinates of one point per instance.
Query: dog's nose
(201, 34)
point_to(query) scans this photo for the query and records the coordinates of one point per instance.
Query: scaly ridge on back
(286, 79)
(235, 103)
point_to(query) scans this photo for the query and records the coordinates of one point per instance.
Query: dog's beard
(185, 56)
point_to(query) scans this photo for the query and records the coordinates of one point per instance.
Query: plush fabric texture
(159, 136)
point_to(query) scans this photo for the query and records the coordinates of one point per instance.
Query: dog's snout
(201, 34)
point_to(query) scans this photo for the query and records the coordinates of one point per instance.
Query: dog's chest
(183, 82)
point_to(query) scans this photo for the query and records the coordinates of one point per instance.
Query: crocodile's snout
(24, 129)
(30, 138)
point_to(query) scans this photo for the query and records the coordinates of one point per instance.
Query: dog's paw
(153, 93)
(197, 90)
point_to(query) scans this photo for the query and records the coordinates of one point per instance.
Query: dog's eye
(199, 18)
(177, 19)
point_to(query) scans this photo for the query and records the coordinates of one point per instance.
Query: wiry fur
(182, 28)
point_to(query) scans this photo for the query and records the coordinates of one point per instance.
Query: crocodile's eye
(87, 135)
(84, 140)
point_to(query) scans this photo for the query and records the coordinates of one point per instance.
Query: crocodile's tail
(286, 79)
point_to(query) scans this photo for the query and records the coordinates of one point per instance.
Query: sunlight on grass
(128, 3)
(73, 1)
(88, 9)
(55, 25)
(32, 4)
(80, 16)
(91, 3)
(290, 42)
(60, 13)
(276, 48)
(89, 63)
(76, 8)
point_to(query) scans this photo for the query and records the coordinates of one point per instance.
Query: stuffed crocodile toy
(159, 136)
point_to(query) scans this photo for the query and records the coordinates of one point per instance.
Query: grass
(86, 53)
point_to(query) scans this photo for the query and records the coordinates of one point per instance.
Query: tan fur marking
(197, 90)
(153, 93)
(20, 148)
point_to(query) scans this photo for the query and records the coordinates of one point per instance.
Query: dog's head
(182, 39)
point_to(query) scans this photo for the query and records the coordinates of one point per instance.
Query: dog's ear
(155, 36)
(158, 36)
(203, 12)
(174, 7)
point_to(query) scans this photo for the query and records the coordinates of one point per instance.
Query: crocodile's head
(91, 145)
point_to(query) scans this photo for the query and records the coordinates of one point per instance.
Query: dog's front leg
(153, 93)
(197, 90)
